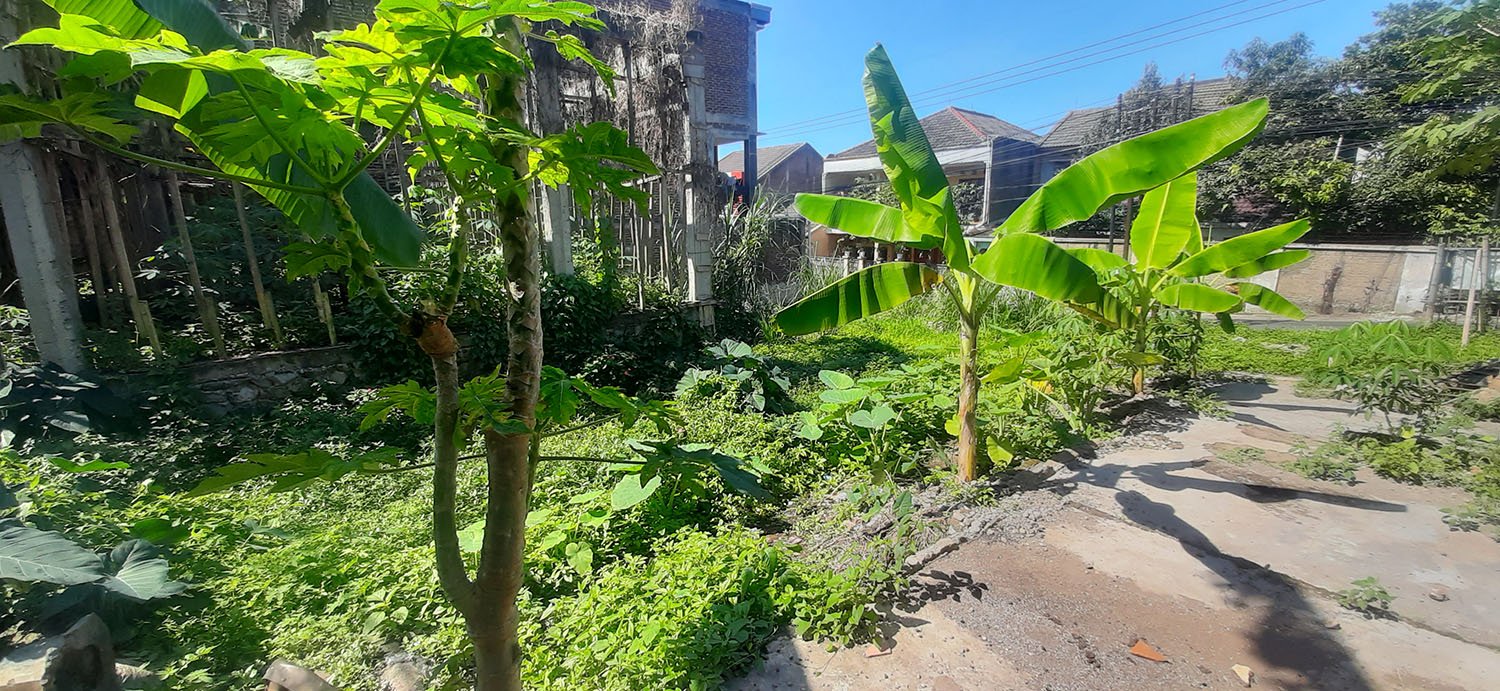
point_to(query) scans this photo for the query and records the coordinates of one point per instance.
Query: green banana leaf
(866, 219)
(1165, 221)
(1197, 298)
(393, 236)
(1032, 262)
(1241, 250)
(1135, 166)
(912, 168)
(1270, 262)
(1101, 261)
(856, 296)
(1108, 310)
(1269, 300)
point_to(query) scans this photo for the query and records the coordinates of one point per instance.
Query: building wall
(1343, 279)
(800, 172)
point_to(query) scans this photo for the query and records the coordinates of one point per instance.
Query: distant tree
(1458, 53)
(1330, 152)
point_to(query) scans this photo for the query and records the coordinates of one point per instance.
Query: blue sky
(810, 55)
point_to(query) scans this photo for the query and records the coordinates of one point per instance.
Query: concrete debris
(1145, 650)
(937, 549)
(285, 676)
(876, 650)
(1438, 594)
(1245, 674)
(404, 671)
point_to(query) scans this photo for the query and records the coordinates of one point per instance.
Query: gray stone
(285, 675)
(81, 659)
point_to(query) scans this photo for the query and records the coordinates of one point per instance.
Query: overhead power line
(834, 124)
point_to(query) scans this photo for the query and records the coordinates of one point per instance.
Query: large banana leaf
(1167, 218)
(1135, 166)
(1270, 262)
(1197, 298)
(912, 168)
(1269, 300)
(1103, 262)
(866, 219)
(856, 296)
(1241, 250)
(1032, 262)
(392, 235)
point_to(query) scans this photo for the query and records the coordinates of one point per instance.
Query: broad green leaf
(808, 427)
(1270, 262)
(1197, 297)
(123, 16)
(856, 296)
(172, 92)
(630, 491)
(1135, 166)
(1007, 373)
(843, 396)
(68, 466)
(160, 531)
(31, 555)
(1167, 217)
(395, 237)
(1240, 250)
(732, 471)
(1269, 300)
(196, 20)
(1226, 322)
(835, 379)
(1032, 262)
(1101, 261)
(471, 538)
(912, 168)
(1140, 359)
(580, 556)
(140, 575)
(863, 218)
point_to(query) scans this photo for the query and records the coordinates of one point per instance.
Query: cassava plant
(1172, 269)
(300, 130)
(1018, 256)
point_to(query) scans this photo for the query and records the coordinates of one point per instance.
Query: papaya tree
(1172, 268)
(1019, 256)
(301, 130)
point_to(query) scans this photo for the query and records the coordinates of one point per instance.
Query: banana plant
(1172, 269)
(1019, 256)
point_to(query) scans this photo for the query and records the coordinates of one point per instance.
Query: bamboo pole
(267, 307)
(86, 228)
(145, 326)
(208, 312)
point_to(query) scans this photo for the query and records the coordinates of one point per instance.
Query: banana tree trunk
(968, 399)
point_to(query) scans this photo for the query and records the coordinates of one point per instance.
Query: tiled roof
(1074, 129)
(955, 128)
(766, 158)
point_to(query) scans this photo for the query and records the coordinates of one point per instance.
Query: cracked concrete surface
(1214, 563)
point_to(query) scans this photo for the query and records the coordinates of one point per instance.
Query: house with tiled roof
(972, 147)
(782, 169)
(1069, 139)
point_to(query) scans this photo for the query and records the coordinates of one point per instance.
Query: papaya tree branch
(588, 459)
(400, 123)
(193, 170)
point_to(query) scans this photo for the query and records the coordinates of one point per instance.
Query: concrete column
(700, 182)
(553, 213)
(43, 258)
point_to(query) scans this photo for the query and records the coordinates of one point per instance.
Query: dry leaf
(1146, 650)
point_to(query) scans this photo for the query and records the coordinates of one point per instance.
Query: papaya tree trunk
(968, 403)
(494, 621)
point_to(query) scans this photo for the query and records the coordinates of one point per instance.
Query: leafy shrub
(1368, 597)
(877, 421)
(1386, 368)
(38, 400)
(737, 371)
(695, 615)
(1325, 462)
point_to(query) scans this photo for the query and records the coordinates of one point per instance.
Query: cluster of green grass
(1294, 352)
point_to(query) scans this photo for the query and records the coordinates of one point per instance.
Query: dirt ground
(1215, 562)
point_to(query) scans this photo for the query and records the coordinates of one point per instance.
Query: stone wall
(261, 380)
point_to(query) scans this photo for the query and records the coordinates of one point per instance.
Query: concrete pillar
(553, 212)
(44, 262)
(699, 187)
